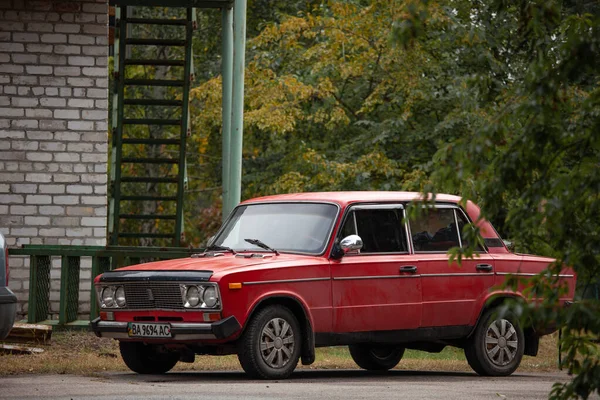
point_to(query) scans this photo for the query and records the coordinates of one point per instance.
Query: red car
(289, 273)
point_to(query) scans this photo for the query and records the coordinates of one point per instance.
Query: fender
(532, 340)
(306, 323)
(490, 300)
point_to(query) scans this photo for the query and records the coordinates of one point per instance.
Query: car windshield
(292, 227)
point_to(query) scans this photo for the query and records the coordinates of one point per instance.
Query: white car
(8, 300)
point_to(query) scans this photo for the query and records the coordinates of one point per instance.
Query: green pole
(118, 132)
(237, 109)
(227, 76)
(184, 132)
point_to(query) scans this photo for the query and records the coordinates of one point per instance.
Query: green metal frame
(103, 259)
(39, 286)
(233, 65)
(121, 60)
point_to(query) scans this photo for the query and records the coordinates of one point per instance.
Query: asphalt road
(311, 384)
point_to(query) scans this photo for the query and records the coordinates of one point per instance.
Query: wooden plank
(30, 333)
(14, 349)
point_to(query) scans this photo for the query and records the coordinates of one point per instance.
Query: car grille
(152, 295)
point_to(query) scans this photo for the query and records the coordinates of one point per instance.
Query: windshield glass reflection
(291, 227)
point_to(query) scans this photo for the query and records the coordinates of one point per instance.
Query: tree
(534, 162)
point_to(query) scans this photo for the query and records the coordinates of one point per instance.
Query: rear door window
(435, 230)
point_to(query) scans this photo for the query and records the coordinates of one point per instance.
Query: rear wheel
(497, 345)
(270, 346)
(376, 357)
(147, 359)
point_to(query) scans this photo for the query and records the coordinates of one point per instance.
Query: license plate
(138, 329)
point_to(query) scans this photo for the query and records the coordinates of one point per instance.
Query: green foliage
(533, 162)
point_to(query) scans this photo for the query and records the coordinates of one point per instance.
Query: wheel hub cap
(277, 343)
(501, 342)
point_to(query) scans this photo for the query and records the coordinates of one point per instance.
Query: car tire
(146, 359)
(496, 347)
(376, 358)
(270, 346)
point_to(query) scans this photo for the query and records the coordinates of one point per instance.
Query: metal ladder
(150, 125)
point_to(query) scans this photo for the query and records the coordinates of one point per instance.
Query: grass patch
(82, 353)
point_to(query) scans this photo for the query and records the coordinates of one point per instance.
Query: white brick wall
(53, 130)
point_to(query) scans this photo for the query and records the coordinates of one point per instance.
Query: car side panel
(452, 293)
(309, 285)
(525, 265)
(371, 293)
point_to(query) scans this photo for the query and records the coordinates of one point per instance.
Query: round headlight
(108, 296)
(193, 296)
(120, 296)
(210, 296)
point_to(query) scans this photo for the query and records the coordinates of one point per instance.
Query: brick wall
(53, 130)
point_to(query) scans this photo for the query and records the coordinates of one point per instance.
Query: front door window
(381, 230)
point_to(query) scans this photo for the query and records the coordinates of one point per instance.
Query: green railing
(103, 259)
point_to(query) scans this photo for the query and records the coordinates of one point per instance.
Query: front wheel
(270, 346)
(376, 357)
(147, 359)
(497, 345)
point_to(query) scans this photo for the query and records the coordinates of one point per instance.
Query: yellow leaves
(274, 103)
(292, 29)
(292, 182)
(338, 117)
(205, 112)
(343, 10)
(317, 173)
(323, 69)
(325, 86)
(415, 180)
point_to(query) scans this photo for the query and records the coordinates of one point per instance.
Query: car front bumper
(180, 331)
(8, 308)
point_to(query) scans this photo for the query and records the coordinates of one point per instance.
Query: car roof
(345, 198)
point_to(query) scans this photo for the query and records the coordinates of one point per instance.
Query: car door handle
(484, 267)
(408, 268)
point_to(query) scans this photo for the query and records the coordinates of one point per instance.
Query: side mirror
(352, 243)
(509, 245)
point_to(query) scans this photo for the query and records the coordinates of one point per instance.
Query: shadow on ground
(313, 375)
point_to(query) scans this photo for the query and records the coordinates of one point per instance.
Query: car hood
(228, 263)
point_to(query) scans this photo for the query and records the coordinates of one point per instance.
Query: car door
(451, 292)
(377, 288)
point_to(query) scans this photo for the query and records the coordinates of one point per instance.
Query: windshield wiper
(216, 247)
(259, 243)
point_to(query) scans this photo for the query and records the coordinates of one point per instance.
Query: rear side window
(381, 230)
(435, 230)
